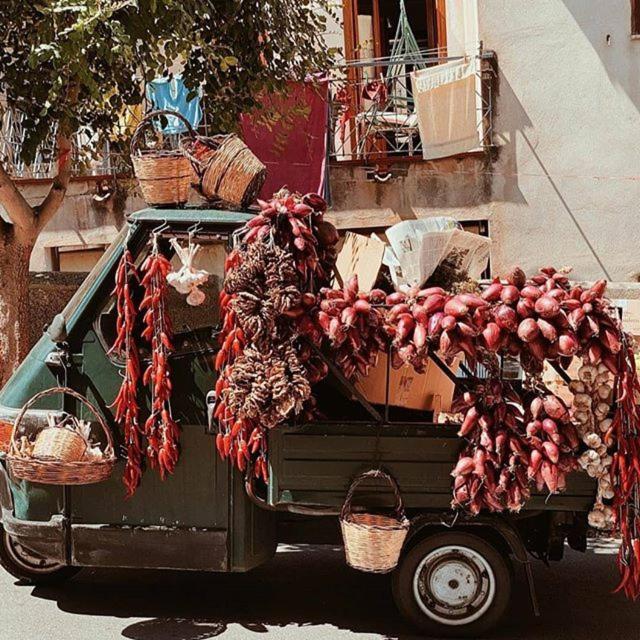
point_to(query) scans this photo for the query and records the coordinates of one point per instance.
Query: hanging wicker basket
(228, 169)
(58, 455)
(164, 175)
(373, 542)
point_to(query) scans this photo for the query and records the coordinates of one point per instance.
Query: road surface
(304, 593)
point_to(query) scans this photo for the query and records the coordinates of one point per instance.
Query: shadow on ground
(307, 587)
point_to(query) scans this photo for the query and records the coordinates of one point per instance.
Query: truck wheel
(31, 567)
(452, 584)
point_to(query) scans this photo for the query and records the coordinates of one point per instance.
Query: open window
(370, 26)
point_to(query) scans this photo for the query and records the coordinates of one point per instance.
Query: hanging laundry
(449, 108)
(171, 94)
(293, 148)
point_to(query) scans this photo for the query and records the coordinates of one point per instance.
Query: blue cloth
(171, 95)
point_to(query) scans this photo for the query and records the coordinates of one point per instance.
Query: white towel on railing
(447, 105)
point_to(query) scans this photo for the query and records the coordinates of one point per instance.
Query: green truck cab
(454, 575)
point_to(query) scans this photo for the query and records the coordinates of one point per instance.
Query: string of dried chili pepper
(160, 428)
(126, 403)
(625, 468)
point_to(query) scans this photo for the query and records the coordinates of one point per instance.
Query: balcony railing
(372, 110)
(89, 158)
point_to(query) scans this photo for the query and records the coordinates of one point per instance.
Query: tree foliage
(79, 63)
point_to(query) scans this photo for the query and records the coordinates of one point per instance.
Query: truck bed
(314, 464)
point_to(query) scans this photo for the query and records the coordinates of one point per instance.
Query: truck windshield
(95, 273)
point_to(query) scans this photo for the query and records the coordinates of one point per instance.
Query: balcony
(89, 159)
(373, 115)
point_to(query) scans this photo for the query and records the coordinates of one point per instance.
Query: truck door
(196, 495)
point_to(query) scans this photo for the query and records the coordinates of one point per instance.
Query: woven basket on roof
(58, 453)
(373, 542)
(164, 175)
(228, 169)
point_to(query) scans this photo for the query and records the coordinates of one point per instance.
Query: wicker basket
(164, 175)
(51, 470)
(373, 542)
(228, 169)
(59, 443)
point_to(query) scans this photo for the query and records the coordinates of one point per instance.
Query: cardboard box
(360, 256)
(429, 391)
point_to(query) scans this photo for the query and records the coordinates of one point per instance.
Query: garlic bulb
(576, 386)
(590, 411)
(592, 440)
(587, 374)
(187, 279)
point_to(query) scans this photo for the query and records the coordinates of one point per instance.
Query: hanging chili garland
(625, 468)
(160, 428)
(265, 372)
(126, 403)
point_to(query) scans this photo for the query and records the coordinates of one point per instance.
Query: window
(370, 26)
(635, 18)
(76, 259)
(195, 328)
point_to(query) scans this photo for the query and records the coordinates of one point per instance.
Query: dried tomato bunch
(264, 373)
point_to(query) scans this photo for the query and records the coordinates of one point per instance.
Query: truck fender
(495, 528)
(6, 499)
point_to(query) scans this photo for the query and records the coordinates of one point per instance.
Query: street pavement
(304, 592)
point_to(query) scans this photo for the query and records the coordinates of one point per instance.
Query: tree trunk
(14, 302)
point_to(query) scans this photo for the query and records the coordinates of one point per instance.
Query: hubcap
(27, 559)
(454, 585)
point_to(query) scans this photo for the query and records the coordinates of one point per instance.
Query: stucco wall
(568, 126)
(457, 187)
(79, 212)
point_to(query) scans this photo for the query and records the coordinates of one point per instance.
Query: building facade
(554, 177)
(557, 177)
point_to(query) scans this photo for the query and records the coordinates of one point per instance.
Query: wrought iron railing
(372, 114)
(89, 158)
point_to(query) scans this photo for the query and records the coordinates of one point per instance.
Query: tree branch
(54, 199)
(18, 209)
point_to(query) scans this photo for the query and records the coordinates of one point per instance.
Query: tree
(77, 64)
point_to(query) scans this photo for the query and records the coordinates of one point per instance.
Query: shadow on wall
(516, 128)
(619, 55)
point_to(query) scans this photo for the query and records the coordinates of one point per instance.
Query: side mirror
(57, 330)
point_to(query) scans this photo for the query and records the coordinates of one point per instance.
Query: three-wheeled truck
(455, 573)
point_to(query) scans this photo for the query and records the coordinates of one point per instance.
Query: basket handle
(66, 391)
(374, 473)
(135, 139)
(214, 142)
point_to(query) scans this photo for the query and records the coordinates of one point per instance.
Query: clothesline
(389, 60)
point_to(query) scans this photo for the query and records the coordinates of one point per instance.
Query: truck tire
(29, 566)
(452, 585)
